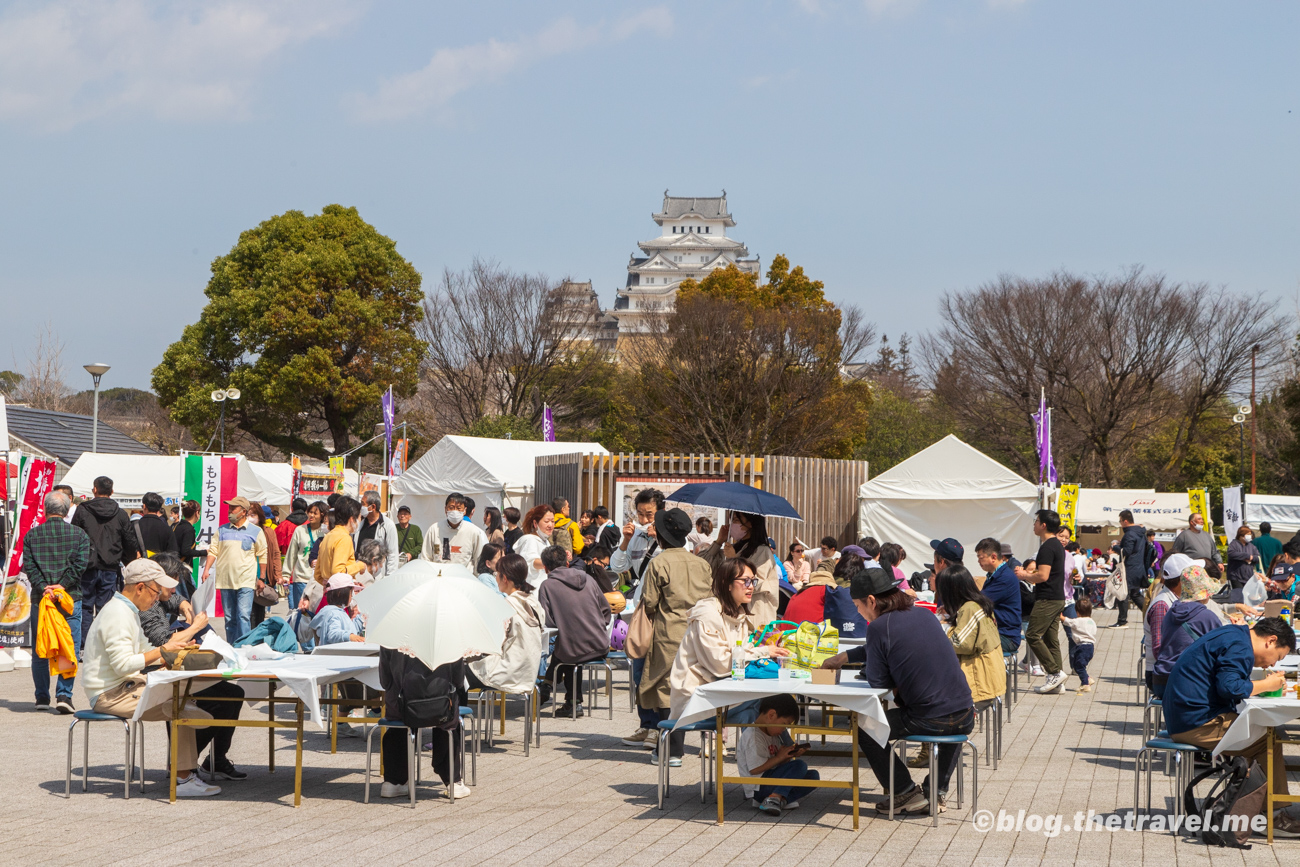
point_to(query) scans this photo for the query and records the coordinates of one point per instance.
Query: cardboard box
(825, 675)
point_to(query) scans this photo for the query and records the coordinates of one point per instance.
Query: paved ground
(583, 798)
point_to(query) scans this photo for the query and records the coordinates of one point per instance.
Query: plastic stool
(899, 747)
(87, 717)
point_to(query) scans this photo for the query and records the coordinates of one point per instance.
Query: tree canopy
(312, 318)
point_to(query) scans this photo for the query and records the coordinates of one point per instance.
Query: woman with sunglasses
(797, 567)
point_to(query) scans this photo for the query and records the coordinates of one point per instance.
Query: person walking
(112, 545)
(296, 518)
(1133, 549)
(1048, 580)
(55, 556)
(297, 556)
(237, 551)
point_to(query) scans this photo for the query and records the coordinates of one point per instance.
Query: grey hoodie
(575, 606)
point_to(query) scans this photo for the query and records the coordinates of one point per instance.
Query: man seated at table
(116, 652)
(1212, 677)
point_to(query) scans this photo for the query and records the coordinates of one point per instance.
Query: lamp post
(221, 395)
(96, 371)
(1239, 420)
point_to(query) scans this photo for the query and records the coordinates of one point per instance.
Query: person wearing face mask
(453, 539)
(638, 544)
(337, 553)
(1243, 557)
(1195, 542)
(745, 536)
(373, 525)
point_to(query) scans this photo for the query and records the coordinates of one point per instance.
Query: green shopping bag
(812, 644)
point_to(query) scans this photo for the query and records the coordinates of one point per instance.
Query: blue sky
(896, 149)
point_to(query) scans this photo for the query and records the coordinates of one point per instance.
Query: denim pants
(296, 590)
(41, 667)
(97, 588)
(649, 717)
(794, 769)
(1080, 656)
(901, 724)
(238, 606)
(1069, 639)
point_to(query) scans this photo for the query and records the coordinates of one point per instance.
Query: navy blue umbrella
(736, 497)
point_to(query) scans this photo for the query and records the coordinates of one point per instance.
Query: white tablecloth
(854, 695)
(346, 648)
(303, 675)
(1254, 716)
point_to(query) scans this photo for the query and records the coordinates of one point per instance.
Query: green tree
(312, 319)
(10, 380)
(899, 427)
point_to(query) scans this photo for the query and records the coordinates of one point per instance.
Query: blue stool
(1151, 714)
(1183, 756)
(900, 752)
(706, 728)
(412, 765)
(87, 717)
(619, 658)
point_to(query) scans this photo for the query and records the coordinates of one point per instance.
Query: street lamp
(96, 371)
(221, 395)
(1239, 420)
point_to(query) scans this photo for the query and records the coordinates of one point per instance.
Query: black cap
(672, 527)
(872, 581)
(949, 549)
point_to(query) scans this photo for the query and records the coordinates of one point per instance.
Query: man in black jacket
(112, 545)
(154, 532)
(1133, 550)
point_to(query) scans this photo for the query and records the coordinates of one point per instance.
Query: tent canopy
(276, 480)
(948, 490)
(1100, 507)
(494, 472)
(1282, 512)
(136, 475)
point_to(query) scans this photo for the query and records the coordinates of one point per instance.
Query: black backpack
(425, 698)
(1236, 797)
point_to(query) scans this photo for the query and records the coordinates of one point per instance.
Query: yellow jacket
(54, 638)
(979, 650)
(564, 523)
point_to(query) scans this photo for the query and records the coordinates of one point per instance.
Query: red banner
(38, 480)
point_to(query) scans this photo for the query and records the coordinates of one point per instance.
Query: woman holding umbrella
(744, 536)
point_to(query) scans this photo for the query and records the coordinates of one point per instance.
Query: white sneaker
(461, 790)
(1036, 671)
(393, 790)
(196, 788)
(791, 805)
(1053, 684)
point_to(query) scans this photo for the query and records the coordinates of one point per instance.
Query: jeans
(219, 736)
(296, 591)
(649, 717)
(1069, 639)
(1080, 656)
(901, 724)
(97, 587)
(238, 605)
(1010, 644)
(41, 667)
(1043, 634)
(794, 769)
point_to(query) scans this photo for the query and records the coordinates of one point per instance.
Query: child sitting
(766, 750)
(1083, 629)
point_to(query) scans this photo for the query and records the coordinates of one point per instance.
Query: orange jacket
(54, 638)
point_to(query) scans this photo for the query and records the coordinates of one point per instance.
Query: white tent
(136, 475)
(494, 472)
(1100, 507)
(276, 479)
(948, 490)
(1282, 512)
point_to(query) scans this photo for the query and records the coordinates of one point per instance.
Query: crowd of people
(940, 639)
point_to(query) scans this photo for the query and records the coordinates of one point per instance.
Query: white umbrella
(432, 610)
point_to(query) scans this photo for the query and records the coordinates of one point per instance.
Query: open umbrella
(436, 610)
(736, 497)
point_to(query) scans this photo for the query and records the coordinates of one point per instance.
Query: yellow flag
(1199, 502)
(1067, 503)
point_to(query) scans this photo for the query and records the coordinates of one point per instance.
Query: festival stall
(948, 490)
(276, 480)
(135, 475)
(494, 472)
(1283, 513)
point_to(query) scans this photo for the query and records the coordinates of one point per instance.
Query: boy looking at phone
(767, 750)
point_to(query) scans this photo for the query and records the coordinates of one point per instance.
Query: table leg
(853, 736)
(176, 714)
(297, 770)
(1268, 797)
(270, 732)
(334, 719)
(717, 757)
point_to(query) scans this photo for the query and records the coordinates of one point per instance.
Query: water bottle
(738, 661)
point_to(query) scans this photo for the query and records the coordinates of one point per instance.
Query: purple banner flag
(389, 414)
(548, 425)
(1043, 442)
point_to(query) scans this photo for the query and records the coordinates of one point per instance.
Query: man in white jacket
(373, 525)
(453, 540)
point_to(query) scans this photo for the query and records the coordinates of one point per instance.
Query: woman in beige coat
(745, 537)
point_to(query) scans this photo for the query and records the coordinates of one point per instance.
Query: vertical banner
(1231, 512)
(386, 403)
(548, 425)
(1067, 504)
(397, 463)
(35, 481)
(210, 480)
(1199, 502)
(336, 470)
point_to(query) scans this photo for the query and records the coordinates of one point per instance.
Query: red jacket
(807, 606)
(284, 529)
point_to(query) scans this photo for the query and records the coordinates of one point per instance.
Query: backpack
(838, 608)
(426, 699)
(275, 632)
(1234, 800)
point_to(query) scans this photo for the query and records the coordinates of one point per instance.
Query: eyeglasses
(798, 550)
(747, 582)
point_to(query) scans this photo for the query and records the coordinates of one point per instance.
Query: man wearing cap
(1185, 621)
(237, 549)
(410, 539)
(947, 552)
(1165, 597)
(117, 651)
(1043, 634)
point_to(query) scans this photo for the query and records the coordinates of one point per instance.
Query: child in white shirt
(766, 750)
(1083, 629)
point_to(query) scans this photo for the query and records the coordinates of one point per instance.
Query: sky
(897, 149)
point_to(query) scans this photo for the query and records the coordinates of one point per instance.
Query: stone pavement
(583, 798)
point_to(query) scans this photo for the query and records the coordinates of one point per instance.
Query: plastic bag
(1254, 594)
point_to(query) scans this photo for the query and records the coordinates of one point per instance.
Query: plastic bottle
(738, 661)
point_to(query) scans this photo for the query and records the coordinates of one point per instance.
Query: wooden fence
(824, 492)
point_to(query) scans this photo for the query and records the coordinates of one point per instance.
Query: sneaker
(1052, 685)
(1037, 671)
(921, 759)
(652, 740)
(1119, 626)
(225, 771)
(772, 805)
(791, 805)
(1285, 825)
(1084, 688)
(882, 805)
(673, 761)
(42, 704)
(919, 802)
(637, 738)
(566, 710)
(461, 790)
(64, 706)
(193, 787)
(393, 790)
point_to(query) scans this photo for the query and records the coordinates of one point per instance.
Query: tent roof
(1283, 513)
(948, 470)
(1100, 507)
(135, 475)
(480, 464)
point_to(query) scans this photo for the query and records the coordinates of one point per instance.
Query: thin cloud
(68, 62)
(454, 70)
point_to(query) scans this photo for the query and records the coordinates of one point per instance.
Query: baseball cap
(871, 581)
(949, 549)
(142, 570)
(340, 581)
(240, 501)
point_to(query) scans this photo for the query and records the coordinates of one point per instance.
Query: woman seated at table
(713, 628)
(514, 669)
(335, 623)
(974, 635)
(905, 651)
(488, 559)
